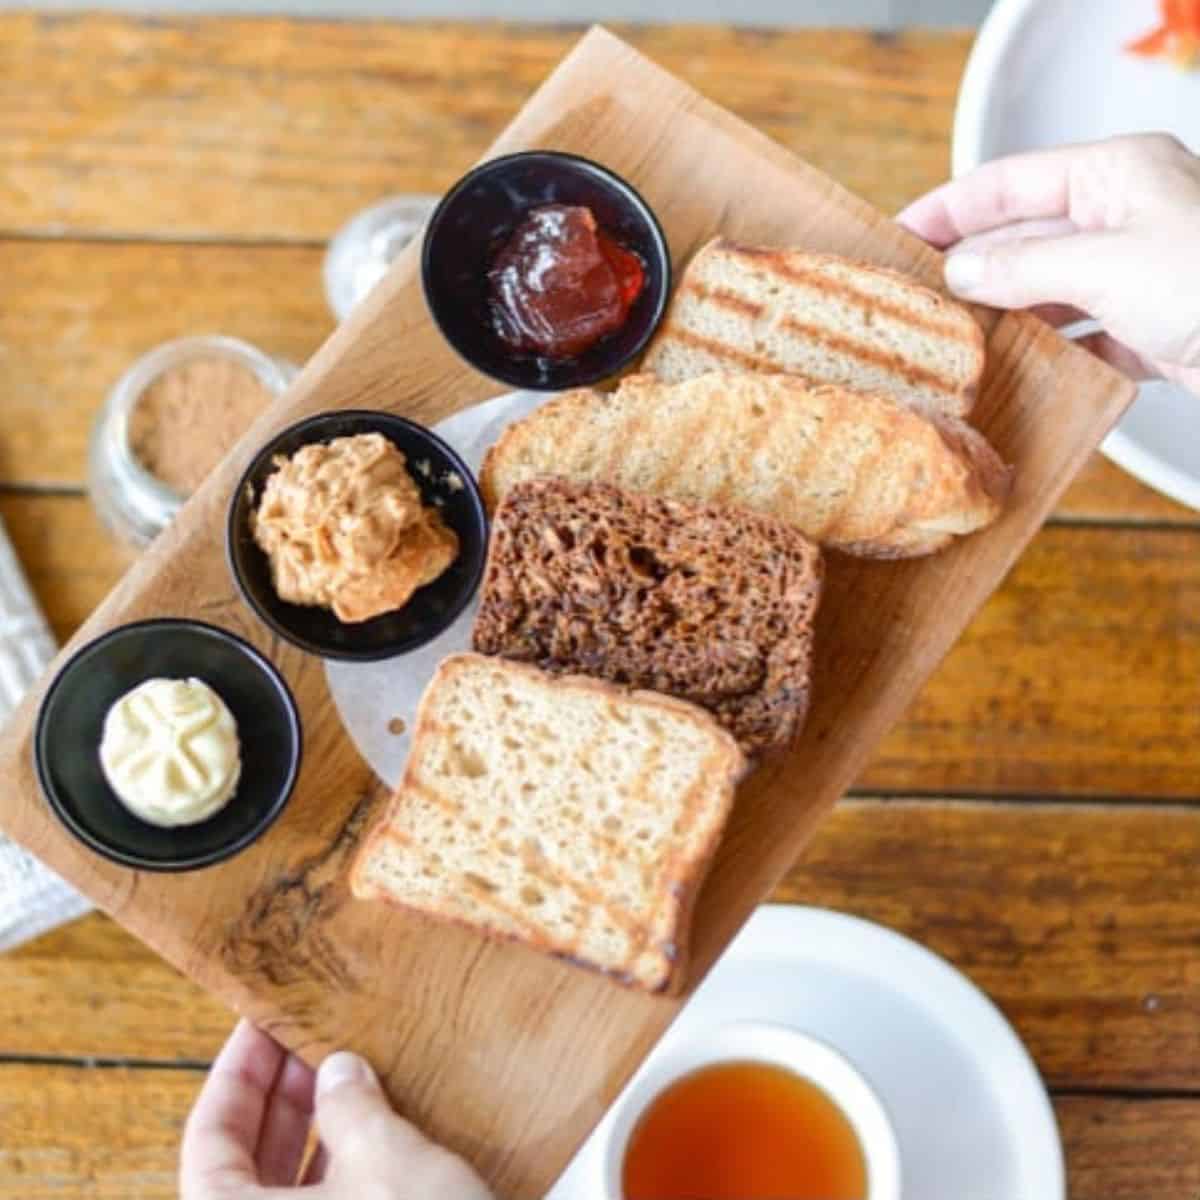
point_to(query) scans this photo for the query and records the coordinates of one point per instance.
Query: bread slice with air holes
(826, 319)
(712, 605)
(565, 813)
(860, 473)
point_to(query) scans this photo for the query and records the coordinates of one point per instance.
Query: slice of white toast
(860, 473)
(565, 813)
(826, 319)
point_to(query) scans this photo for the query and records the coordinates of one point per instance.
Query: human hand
(1109, 230)
(246, 1135)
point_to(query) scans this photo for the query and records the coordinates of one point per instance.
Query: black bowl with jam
(546, 270)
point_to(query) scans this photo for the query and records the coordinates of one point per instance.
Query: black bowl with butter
(444, 481)
(476, 220)
(70, 727)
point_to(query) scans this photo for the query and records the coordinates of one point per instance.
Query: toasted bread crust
(654, 966)
(818, 316)
(857, 472)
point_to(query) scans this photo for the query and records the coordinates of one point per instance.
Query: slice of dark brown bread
(712, 605)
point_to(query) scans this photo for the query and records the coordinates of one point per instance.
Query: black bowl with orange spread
(546, 270)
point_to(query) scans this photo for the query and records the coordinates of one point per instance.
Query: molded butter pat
(170, 751)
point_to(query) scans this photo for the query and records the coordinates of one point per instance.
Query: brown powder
(191, 416)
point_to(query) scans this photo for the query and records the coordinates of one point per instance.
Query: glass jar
(365, 247)
(133, 502)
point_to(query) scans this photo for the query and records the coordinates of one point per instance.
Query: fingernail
(964, 271)
(343, 1067)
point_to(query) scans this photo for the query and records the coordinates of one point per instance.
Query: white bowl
(1049, 72)
(779, 1046)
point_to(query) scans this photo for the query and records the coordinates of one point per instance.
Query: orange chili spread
(560, 283)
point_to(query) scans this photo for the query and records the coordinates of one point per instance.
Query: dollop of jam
(560, 283)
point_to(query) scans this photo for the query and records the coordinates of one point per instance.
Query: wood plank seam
(85, 237)
(1066, 1091)
(1135, 1095)
(42, 490)
(103, 1063)
(1099, 800)
(1086, 524)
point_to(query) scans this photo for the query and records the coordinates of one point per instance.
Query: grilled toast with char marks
(826, 319)
(860, 473)
(565, 813)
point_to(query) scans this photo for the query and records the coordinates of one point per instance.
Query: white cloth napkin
(32, 898)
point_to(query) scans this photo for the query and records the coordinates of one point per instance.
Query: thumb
(1079, 270)
(352, 1111)
(365, 1143)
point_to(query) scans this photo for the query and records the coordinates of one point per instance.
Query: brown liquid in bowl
(743, 1131)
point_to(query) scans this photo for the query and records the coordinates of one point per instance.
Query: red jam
(560, 283)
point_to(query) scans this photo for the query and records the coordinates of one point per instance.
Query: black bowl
(432, 608)
(71, 722)
(472, 222)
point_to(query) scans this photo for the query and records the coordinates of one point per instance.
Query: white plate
(356, 687)
(1047, 72)
(971, 1115)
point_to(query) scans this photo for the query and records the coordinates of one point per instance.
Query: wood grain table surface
(1035, 816)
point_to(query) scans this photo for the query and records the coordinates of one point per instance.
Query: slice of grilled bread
(857, 472)
(823, 318)
(712, 605)
(566, 813)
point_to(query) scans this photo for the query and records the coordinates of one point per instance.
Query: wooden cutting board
(507, 1056)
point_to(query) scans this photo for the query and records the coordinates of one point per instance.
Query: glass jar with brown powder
(168, 421)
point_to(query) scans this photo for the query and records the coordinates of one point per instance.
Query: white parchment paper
(376, 699)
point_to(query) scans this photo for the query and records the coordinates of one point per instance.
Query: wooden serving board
(507, 1056)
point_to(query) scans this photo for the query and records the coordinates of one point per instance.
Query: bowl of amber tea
(751, 1112)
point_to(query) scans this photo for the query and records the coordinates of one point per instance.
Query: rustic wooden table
(1034, 819)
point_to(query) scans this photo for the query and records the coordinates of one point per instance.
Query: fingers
(1096, 185)
(1061, 279)
(223, 1128)
(1022, 231)
(317, 1167)
(1022, 188)
(366, 1142)
(1186, 377)
(251, 1121)
(353, 1113)
(1059, 315)
(286, 1124)
(1118, 355)
(1078, 271)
